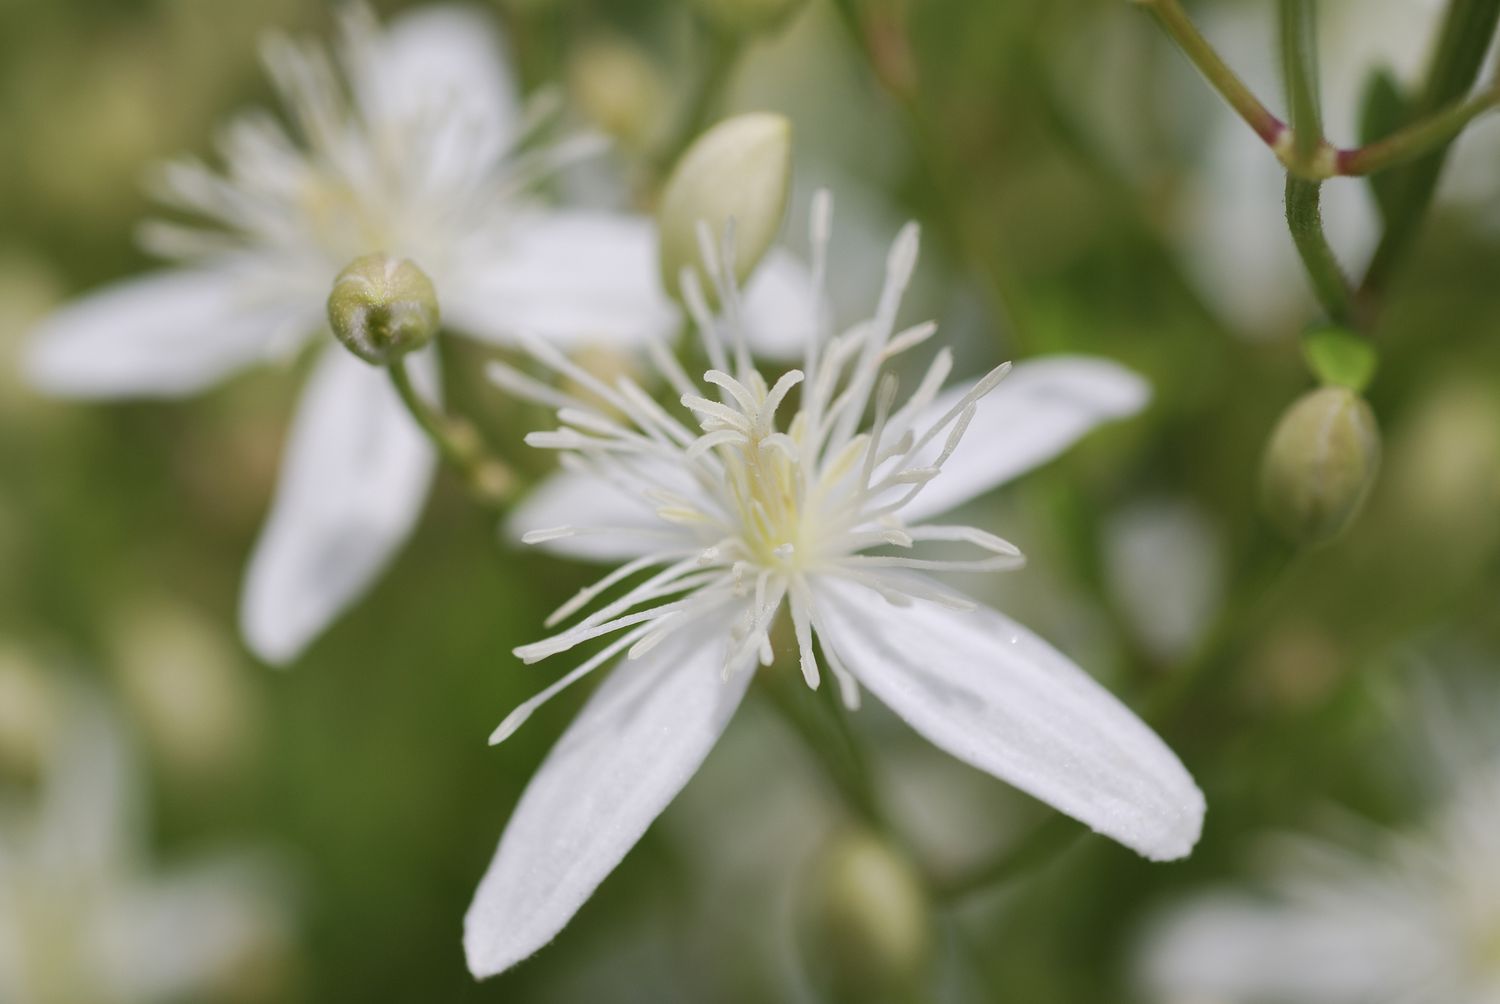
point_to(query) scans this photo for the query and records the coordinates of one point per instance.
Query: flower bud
(1319, 464)
(869, 925)
(621, 90)
(741, 169)
(382, 308)
(747, 16)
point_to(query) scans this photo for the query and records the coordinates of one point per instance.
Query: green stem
(834, 747)
(1467, 30)
(457, 442)
(1205, 57)
(1305, 222)
(1299, 53)
(1048, 840)
(1419, 138)
(890, 65)
(722, 56)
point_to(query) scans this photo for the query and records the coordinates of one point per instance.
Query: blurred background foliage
(1056, 152)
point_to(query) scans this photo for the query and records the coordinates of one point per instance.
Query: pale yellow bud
(739, 170)
(1319, 464)
(621, 90)
(869, 921)
(382, 308)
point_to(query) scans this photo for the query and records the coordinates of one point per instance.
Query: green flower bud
(869, 927)
(741, 169)
(620, 90)
(1319, 464)
(747, 16)
(382, 308)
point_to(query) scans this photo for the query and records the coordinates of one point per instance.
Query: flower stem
(1419, 138)
(1305, 222)
(1048, 839)
(1206, 58)
(459, 444)
(889, 60)
(1467, 30)
(722, 54)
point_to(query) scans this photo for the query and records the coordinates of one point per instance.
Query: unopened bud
(621, 90)
(382, 308)
(1319, 464)
(869, 923)
(739, 170)
(748, 16)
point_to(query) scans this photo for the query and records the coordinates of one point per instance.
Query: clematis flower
(1402, 916)
(730, 512)
(81, 916)
(411, 143)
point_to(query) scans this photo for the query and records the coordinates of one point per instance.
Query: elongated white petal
(161, 335)
(639, 739)
(1235, 948)
(352, 483)
(575, 500)
(991, 693)
(444, 63)
(1041, 408)
(781, 307)
(573, 277)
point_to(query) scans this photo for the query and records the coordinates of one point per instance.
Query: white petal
(1234, 948)
(1041, 408)
(352, 483)
(639, 739)
(581, 500)
(577, 277)
(161, 335)
(781, 307)
(991, 693)
(444, 64)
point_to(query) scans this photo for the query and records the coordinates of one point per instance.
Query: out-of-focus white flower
(81, 920)
(725, 519)
(1412, 917)
(411, 144)
(1164, 565)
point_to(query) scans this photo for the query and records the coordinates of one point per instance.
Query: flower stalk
(457, 441)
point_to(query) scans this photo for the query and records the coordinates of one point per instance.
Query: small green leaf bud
(1319, 464)
(1340, 358)
(739, 170)
(748, 16)
(869, 922)
(382, 308)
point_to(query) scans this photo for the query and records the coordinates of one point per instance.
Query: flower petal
(572, 499)
(1351, 948)
(991, 693)
(574, 276)
(352, 483)
(443, 64)
(639, 739)
(1040, 409)
(160, 335)
(780, 307)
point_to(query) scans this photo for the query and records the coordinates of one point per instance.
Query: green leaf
(1340, 358)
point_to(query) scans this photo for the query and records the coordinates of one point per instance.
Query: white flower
(82, 920)
(412, 145)
(725, 524)
(1412, 917)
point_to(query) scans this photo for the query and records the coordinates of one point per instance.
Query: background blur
(1080, 190)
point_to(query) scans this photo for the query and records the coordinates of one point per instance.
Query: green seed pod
(741, 169)
(748, 17)
(869, 926)
(1319, 464)
(382, 308)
